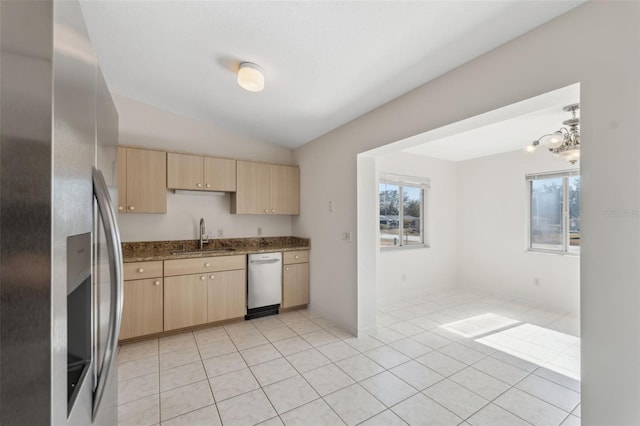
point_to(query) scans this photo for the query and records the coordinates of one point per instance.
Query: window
(402, 211)
(554, 214)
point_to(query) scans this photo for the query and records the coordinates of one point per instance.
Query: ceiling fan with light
(564, 142)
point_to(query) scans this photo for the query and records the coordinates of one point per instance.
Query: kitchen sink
(205, 251)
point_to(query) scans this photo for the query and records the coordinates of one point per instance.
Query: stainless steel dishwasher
(264, 284)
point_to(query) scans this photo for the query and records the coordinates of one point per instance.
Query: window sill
(553, 252)
(409, 247)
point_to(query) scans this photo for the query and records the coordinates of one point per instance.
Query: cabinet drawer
(142, 270)
(204, 264)
(298, 256)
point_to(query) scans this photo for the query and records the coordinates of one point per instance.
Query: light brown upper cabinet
(266, 189)
(142, 177)
(285, 189)
(200, 173)
(252, 189)
(184, 171)
(219, 174)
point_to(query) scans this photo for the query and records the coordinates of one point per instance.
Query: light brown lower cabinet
(198, 291)
(217, 292)
(227, 295)
(142, 308)
(295, 285)
(185, 301)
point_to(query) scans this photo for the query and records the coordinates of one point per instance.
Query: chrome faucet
(203, 234)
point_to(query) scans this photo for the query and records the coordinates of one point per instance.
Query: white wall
(477, 217)
(328, 173)
(583, 46)
(145, 126)
(184, 211)
(406, 272)
(492, 232)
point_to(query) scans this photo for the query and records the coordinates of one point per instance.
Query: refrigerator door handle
(114, 248)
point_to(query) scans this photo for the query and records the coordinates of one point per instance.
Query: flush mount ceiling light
(251, 77)
(565, 142)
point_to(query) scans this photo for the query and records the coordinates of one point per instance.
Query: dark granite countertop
(142, 251)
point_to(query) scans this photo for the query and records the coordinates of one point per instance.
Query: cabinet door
(219, 174)
(142, 308)
(295, 285)
(184, 171)
(227, 295)
(122, 179)
(185, 301)
(252, 189)
(146, 181)
(284, 190)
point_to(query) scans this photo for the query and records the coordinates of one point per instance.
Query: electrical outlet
(259, 231)
(212, 233)
(346, 236)
(330, 206)
(220, 233)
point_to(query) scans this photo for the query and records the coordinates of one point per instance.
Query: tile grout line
(303, 378)
(442, 309)
(215, 402)
(321, 397)
(490, 401)
(282, 356)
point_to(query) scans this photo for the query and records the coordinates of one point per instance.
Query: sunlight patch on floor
(479, 325)
(547, 348)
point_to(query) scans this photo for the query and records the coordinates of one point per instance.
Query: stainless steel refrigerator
(60, 253)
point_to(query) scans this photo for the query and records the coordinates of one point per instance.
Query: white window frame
(401, 181)
(565, 175)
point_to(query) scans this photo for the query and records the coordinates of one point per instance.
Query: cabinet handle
(297, 257)
(266, 210)
(120, 208)
(202, 278)
(286, 269)
(132, 208)
(273, 210)
(140, 270)
(156, 283)
(212, 277)
(206, 265)
(208, 186)
(199, 185)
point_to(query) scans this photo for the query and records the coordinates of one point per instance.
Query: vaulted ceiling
(326, 62)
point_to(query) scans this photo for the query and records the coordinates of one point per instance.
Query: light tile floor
(445, 358)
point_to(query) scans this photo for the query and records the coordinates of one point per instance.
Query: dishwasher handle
(264, 262)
